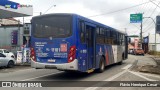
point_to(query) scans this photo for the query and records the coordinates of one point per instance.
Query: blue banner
(9, 4)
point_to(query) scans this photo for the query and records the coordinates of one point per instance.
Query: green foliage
(154, 53)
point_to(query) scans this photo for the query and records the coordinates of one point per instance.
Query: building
(9, 21)
(11, 36)
(133, 42)
(151, 42)
(11, 31)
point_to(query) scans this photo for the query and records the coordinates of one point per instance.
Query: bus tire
(120, 63)
(123, 57)
(101, 65)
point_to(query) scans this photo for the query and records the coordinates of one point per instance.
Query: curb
(154, 60)
(133, 65)
(23, 64)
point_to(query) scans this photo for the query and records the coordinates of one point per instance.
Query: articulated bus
(72, 42)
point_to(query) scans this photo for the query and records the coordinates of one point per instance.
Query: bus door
(91, 46)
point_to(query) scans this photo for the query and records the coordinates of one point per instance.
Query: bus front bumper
(65, 66)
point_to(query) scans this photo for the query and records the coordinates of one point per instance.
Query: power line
(50, 8)
(149, 14)
(149, 26)
(152, 13)
(154, 3)
(120, 9)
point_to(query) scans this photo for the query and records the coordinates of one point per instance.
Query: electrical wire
(120, 9)
(49, 8)
(152, 14)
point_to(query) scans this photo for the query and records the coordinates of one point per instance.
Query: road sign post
(137, 18)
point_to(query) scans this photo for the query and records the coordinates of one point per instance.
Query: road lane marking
(137, 74)
(116, 76)
(41, 76)
(108, 79)
(127, 66)
(151, 75)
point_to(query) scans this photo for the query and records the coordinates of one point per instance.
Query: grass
(155, 53)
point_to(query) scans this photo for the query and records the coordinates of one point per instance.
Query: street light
(155, 31)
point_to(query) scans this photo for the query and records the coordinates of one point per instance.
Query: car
(6, 61)
(7, 53)
(130, 51)
(138, 51)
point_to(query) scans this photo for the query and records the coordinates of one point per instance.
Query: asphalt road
(112, 73)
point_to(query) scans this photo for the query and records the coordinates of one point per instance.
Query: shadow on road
(74, 76)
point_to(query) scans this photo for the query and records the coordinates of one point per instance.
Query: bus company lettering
(40, 43)
(42, 54)
(55, 49)
(60, 55)
(83, 51)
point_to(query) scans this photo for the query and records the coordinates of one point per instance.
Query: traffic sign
(136, 18)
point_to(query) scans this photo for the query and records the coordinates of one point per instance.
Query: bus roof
(81, 17)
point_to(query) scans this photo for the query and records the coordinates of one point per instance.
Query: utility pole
(141, 41)
(125, 30)
(40, 13)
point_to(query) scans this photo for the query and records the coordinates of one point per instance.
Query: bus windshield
(52, 26)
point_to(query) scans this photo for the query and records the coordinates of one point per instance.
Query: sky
(114, 13)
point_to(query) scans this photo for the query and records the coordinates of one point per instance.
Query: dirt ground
(149, 68)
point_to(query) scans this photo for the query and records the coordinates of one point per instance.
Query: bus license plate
(51, 60)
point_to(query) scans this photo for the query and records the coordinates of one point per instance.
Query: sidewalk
(150, 64)
(23, 64)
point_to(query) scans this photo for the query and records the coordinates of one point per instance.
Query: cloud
(119, 20)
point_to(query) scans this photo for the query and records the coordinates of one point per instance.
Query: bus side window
(100, 35)
(123, 39)
(107, 36)
(97, 34)
(115, 38)
(82, 31)
(111, 37)
(97, 30)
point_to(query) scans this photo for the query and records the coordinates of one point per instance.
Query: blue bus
(73, 42)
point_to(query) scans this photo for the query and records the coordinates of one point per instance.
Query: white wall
(5, 35)
(152, 42)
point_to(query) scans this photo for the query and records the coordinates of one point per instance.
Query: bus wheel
(120, 63)
(101, 65)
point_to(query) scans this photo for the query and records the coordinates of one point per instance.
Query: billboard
(10, 9)
(158, 24)
(14, 37)
(9, 4)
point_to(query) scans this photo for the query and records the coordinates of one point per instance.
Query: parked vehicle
(7, 53)
(130, 51)
(6, 61)
(138, 52)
